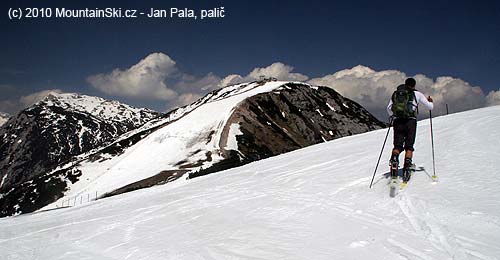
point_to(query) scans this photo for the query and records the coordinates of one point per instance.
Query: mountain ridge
(205, 137)
(58, 128)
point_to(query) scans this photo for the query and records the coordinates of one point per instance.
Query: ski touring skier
(403, 109)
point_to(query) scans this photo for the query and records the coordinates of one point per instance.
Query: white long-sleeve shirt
(419, 99)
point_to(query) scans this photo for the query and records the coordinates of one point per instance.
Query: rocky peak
(98, 107)
(58, 128)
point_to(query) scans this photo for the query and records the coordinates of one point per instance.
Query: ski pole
(381, 151)
(432, 143)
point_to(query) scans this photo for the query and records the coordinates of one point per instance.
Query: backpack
(402, 102)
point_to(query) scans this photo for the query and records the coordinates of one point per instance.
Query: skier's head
(410, 83)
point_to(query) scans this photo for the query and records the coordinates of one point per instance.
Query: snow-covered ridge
(213, 96)
(312, 203)
(177, 113)
(216, 95)
(162, 149)
(98, 107)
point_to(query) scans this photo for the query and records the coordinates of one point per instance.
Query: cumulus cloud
(276, 70)
(230, 79)
(14, 105)
(184, 99)
(458, 94)
(279, 71)
(156, 77)
(31, 99)
(190, 83)
(493, 98)
(9, 106)
(145, 79)
(372, 89)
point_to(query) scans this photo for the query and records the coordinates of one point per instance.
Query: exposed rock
(292, 117)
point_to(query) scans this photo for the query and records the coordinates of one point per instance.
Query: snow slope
(163, 149)
(312, 203)
(52, 132)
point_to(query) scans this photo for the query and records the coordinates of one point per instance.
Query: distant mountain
(228, 127)
(3, 118)
(57, 129)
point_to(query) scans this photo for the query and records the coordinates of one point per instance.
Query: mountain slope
(227, 128)
(312, 203)
(54, 131)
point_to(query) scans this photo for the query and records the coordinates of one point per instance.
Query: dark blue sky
(436, 38)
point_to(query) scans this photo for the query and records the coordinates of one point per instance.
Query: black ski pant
(404, 133)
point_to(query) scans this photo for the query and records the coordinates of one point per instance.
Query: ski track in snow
(312, 203)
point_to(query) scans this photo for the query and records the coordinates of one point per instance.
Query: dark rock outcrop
(292, 117)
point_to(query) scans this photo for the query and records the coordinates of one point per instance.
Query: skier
(403, 108)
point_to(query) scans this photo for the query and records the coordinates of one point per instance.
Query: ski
(395, 182)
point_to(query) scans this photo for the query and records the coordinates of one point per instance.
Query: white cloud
(156, 77)
(277, 70)
(190, 83)
(9, 106)
(372, 89)
(184, 99)
(458, 94)
(493, 98)
(145, 79)
(230, 79)
(14, 105)
(31, 99)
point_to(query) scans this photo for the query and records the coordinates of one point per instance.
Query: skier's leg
(408, 154)
(399, 137)
(407, 166)
(411, 127)
(395, 154)
(394, 163)
(410, 134)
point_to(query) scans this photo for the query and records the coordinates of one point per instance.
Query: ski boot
(408, 168)
(393, 183)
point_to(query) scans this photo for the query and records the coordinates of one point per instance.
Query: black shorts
(404, 133)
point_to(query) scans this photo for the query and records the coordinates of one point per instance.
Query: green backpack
(402, 102)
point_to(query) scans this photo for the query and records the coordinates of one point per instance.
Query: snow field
(312, 203)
